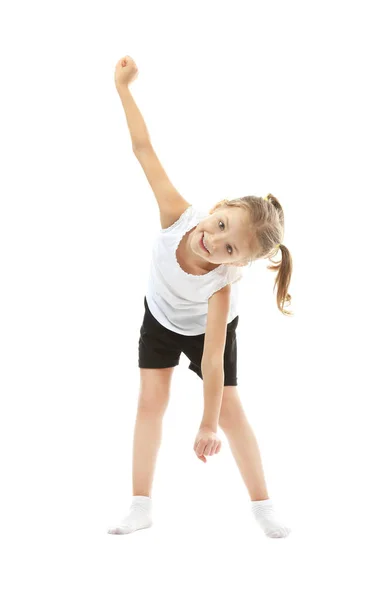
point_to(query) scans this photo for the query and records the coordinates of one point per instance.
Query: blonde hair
(266, 221)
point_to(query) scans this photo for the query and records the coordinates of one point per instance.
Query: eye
(229, 246)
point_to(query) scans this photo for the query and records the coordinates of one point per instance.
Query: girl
(191, 307)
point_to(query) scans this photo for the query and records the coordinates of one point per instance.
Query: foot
(266, 517)
(139, 517)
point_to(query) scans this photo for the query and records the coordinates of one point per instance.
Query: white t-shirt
(179, 300)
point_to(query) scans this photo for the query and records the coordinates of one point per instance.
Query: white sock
(139, 516)
(266, 517)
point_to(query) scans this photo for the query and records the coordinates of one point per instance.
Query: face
(225, 236)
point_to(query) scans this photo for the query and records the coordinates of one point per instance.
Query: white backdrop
(239, 98)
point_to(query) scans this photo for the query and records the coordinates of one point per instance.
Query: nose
(209, 244)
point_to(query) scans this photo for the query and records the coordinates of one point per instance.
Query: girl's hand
(126, 71)
(206, 443)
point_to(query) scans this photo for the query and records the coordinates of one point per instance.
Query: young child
(191, 307)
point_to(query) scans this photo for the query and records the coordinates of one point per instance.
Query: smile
(203, 245)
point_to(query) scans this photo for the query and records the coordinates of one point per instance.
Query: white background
(239, 98)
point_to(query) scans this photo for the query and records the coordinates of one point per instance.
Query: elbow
(140, 147)
(212, 363)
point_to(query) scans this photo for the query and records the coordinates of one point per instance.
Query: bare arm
(136, 124)
(213, 388)
(212, 364)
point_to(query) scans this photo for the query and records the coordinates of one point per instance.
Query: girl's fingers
(207, 450)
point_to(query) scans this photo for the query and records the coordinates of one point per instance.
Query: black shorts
(160, 348)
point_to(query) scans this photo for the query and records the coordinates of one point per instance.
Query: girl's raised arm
(171, 203)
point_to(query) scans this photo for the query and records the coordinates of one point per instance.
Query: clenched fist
(126, 71)
(206, 443)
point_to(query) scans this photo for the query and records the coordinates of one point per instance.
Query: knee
(231, 413)
(152, 403)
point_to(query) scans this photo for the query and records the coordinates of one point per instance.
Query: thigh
(159, 348)
(193, 349)
(155, 386)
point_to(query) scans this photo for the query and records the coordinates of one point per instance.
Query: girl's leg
(153, 400)
(243, 443)
(246, 452)
(147, 438)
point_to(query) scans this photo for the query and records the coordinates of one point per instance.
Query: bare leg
(146, 443)
(244, 447)
(152, 403)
